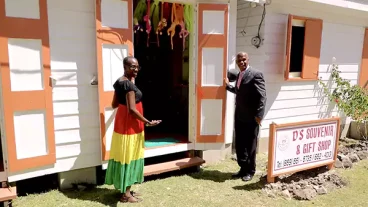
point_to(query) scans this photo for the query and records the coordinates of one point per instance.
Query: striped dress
(125, 166)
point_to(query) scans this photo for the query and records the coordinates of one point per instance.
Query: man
(249, 111)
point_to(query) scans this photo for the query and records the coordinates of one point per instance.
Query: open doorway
(163, 54)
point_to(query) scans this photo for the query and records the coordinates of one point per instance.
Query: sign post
(301, 146)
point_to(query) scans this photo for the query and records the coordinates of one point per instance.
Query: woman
(126, 163)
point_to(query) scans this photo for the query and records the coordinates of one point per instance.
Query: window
(303, 48)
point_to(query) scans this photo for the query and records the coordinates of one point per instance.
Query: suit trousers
(246, 140)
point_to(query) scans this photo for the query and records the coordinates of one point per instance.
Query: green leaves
(350, 99)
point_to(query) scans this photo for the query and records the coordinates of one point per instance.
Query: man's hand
(258, 120)
(226, 81)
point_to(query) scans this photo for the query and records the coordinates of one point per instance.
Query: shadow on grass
(105, 196)
(296, 177)
(212, 175)
(252, 186)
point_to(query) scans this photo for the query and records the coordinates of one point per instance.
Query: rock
(314, 182)
(362, 155)
(303, 183)
(362, 145)
(286, 194)
(309, 187)
(233, 157)
(271, 194)
(275, 186)
(338, 164)
(343, 150)
(354, 158)
(340, 156)
(346, 162)
(305, 194)
(81, 187)
(321, 190)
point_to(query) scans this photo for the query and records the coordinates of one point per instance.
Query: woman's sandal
(131, 199)
(135, 193)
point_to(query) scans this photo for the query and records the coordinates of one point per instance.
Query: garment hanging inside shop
(161, 45)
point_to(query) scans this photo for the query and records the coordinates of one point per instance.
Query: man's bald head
(129, 59)
(242, 60)
(241, 54)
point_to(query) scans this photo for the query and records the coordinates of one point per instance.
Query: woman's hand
(153, 123)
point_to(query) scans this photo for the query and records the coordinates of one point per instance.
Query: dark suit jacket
(251, 95)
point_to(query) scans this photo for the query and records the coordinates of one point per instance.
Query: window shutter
(288, 46)
(363, 76)
(312, 48)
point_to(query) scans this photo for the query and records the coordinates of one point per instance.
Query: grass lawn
(210, 187)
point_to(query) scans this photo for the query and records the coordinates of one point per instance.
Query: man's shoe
(237, 175)
(247, 178)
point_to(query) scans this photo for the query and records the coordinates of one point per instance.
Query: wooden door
(114, 40)
(25, 84)
(211, 71)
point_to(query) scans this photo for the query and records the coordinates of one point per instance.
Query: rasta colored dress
(125, 166)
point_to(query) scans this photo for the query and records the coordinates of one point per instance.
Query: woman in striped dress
(125, 166)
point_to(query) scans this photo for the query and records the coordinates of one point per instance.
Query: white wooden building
(61, 123)
(335, 32)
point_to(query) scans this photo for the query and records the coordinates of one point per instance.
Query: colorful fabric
(188, 17)
(155, 13)
(126, 163)
(140, 10)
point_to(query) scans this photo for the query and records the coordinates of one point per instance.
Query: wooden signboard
(301, 146)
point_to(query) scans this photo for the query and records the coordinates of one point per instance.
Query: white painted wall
(75, 101)
(342, 38)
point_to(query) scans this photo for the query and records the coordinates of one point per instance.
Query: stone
(354, 158)
(362, 145)
(271, 194)
(346, 162)
(340, 156)
(305, 194)
(275, 186)
(233, 157)
(362, 155)
(81, 187)
(338, 164)
(343, 150)
(286, 194)
(321, 190)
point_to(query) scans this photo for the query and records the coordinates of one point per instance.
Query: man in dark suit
(250, 103)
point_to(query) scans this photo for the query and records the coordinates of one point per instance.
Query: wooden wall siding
(290, 101)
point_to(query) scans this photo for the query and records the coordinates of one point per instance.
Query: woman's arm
(114, 103)
(130, 99)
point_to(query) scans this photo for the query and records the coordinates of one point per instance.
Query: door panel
(212, 67)
(114, 41)
(25, 84)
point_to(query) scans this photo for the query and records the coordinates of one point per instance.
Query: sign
(300, 146)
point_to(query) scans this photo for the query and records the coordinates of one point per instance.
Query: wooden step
(7, 194)
(172, 165)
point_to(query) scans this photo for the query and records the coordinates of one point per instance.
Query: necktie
(239, 79)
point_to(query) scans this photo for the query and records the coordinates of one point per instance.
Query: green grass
(209, 188)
